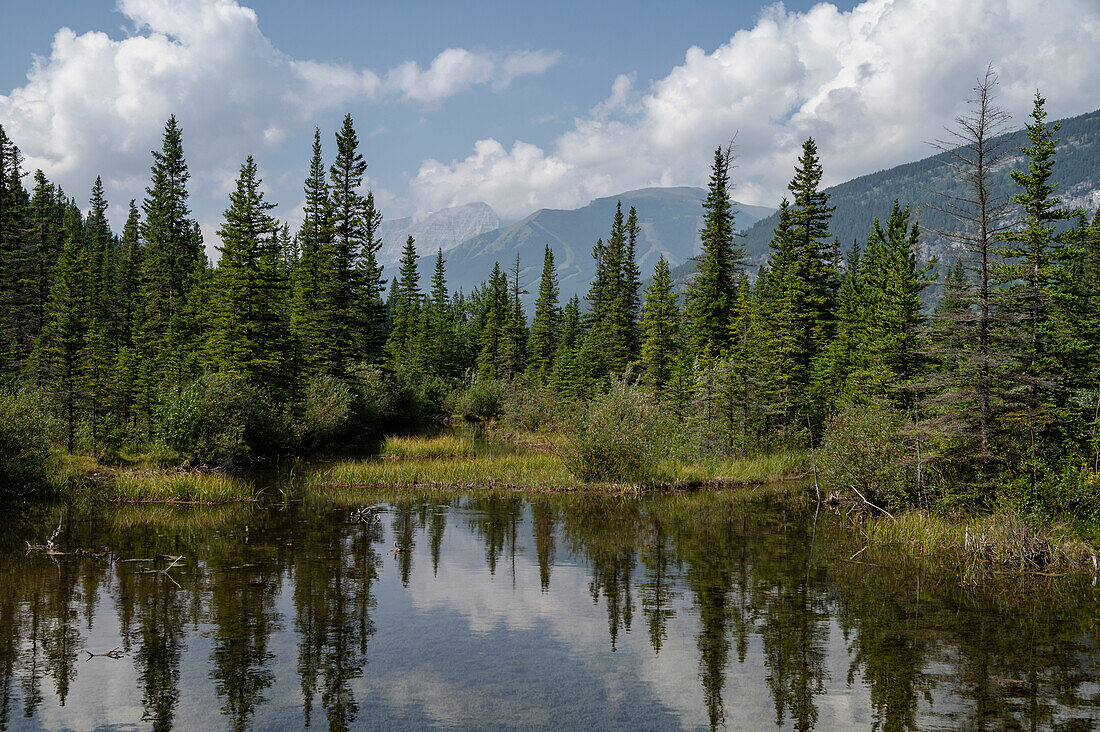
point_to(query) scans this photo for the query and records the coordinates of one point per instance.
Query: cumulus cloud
(871, 85)
(98, 105)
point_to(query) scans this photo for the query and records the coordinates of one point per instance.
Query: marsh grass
(179, 487)
(1005, 540)
(439, 446)
(533, 470)
(762, 468)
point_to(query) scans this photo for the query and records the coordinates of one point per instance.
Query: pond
(503, 610)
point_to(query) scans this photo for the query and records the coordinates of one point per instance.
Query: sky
(519, 105)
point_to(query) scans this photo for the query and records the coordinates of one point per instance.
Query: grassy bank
(999, 541)
(178, 487)
(532, 462)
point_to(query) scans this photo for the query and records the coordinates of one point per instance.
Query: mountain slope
(860, 200)
(669, 219)
(444, 230)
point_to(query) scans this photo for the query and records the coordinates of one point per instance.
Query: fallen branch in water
(877, 508)
(113, 653)
(48, 547)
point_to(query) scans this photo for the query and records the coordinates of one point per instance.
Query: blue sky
(526, 105)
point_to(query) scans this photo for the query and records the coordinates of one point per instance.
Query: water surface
(504, 610)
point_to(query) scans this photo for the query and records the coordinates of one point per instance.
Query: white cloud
(871, 85)
(98, 105)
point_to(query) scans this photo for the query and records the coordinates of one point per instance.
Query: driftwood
(877, 508)
(113, 653)
(48, 547)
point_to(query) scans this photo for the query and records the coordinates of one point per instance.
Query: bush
(25, 428)
(1070, 490)
(532, 409)
(482, 399)
(864, 447)
(326, 412)
(621, 438)
(222, 420)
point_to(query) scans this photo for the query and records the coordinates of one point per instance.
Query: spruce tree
(970, 400)
(1034, 254)
(341, 305)
(545, 327)
(315, 249)
(436, 337)
(711, 296)
(171, 253)
(249, 336)
(660, 328)
(404, 307)
(61, 347)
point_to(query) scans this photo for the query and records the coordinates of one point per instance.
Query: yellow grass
(179, 487)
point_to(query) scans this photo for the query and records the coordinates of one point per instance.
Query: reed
(531, 470)
(439, 446)
(179, 487)
(1004, 539)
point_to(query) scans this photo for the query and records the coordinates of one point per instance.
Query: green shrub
(621, 438)
(222, 419)
(25, 429)
(864, 448)
(482, 399)
(1067, 490)
(532, 409)
(326, 412)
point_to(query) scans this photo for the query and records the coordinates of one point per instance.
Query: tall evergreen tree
(61, 347)
(545, 327)
(172, 252)
(1034, 254)
(405, 307)
(660, 328)
(315, 245)
(711, 296)
(341, 306)
(250, 333)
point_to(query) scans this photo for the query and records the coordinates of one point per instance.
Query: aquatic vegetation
(195, 486)
(440, 446)
(1005, 540)
(519, 470)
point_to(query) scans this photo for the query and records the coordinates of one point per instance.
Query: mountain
(860, 200)
(444, 230)
(669, 219)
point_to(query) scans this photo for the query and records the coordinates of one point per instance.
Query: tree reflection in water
(764, 599)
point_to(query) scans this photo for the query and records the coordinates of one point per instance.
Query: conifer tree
(1034, 251)
(315, 245)
(491, 322)
(405, 307)
(545, 327)
(710, 299)
(171, 253)
(61, 347)
(102, 311)
(971, 398)
(660, 328)
(436, 335)
(130, 313)
(515, 334)
(341, 305)
(372, 309)
(250, 333)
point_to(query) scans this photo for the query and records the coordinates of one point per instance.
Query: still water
(506, 610)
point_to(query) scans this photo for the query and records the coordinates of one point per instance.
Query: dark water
(504, 611)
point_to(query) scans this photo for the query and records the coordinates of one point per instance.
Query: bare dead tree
(967, 398)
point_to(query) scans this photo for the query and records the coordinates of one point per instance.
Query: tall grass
(1002, 539)
(180, 487)
(769, 467)
(440, 446)
(528, 470)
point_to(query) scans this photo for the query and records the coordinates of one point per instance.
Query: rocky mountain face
(444, 230)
